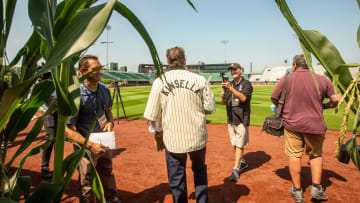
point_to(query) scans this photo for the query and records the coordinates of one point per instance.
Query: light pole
(108, 27)
(225, 42)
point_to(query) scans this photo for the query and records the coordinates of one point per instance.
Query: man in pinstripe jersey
(237, 96)
(180, 102)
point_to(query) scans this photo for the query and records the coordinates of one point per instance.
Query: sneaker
(235, 175)
(297, 195)
(318, 194)
(243, 165)
(46, 174)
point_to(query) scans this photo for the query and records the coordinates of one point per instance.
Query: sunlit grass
(135, 99)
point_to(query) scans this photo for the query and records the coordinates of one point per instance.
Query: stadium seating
(273, 74)
(125, 76)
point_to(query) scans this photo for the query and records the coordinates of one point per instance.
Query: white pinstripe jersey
(181, 105)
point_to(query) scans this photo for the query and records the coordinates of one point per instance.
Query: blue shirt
(91, 102)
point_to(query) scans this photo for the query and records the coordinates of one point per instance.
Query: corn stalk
(61, 33)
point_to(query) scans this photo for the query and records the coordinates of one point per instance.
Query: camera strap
(282, 97)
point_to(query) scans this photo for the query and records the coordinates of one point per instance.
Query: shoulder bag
(274, 124)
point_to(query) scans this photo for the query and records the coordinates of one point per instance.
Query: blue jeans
(176, 168)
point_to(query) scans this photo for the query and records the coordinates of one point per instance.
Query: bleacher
(125, 76)
(273, 74)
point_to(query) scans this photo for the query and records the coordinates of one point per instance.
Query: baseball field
(135, 98)
(140, 170)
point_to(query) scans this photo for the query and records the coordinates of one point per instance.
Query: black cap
(234, 66)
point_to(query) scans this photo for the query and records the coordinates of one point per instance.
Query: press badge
(235, 102)
(102, 121)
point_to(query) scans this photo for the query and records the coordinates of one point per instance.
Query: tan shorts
(296, 142)
(239, 135)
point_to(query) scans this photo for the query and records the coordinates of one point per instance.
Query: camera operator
(237, 96)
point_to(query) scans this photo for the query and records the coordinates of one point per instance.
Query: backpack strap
(282, 97)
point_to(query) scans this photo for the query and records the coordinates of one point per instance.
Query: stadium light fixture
(108, 27)
(225, 42)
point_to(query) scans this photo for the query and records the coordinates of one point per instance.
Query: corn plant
(62, 31)
(313, 42)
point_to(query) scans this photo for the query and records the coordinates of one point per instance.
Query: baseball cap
(234, 66)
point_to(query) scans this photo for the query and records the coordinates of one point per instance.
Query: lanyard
(85, 90)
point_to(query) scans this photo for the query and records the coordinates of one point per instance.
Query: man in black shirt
(237, 96)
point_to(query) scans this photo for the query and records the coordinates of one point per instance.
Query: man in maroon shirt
(304, 123)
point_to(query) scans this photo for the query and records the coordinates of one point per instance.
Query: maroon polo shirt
(303, 111)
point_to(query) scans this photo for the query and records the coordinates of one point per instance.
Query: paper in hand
(104, 138)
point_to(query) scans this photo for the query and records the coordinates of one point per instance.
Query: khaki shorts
(239, 135)
(296, 142)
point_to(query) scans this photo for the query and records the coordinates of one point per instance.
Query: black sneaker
(243, 165)
(235, 175)
(46, 174)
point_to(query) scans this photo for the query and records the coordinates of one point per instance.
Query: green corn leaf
(31, 57)
(95, 182)
(17, 58)
(2, 31)
(83, 77)
(192, 5)
(351, 144)
(130, 16)
(14, 179)
(13, 97)
(351, 148)
(67, 107)
(308, 59)
(79, 34)
(5, 24)
(45, 192)
(23, 186)
(69, 160)
(59, 149)
(22, 116)
(65, 12)
(10, 7)
(42, 15)
(329, 56)
(29, 138)
(320, 47)
(44, 50)
(74, 87)
(14, 78)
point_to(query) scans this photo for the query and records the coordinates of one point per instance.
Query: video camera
(224, 77)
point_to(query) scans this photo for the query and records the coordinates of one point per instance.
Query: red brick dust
(141, 174)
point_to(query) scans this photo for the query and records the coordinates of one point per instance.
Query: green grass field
(135, 99)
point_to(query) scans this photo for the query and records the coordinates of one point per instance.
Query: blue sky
(256, 30)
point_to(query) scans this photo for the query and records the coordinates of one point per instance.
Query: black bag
(274, 124)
